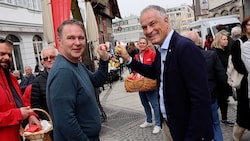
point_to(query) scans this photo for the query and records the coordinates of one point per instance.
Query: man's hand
(102, 51)
(25, 111)
(121, 51)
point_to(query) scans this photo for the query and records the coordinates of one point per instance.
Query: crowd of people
(191, 82)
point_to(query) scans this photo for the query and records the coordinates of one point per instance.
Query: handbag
(234, 77)
(137, 83)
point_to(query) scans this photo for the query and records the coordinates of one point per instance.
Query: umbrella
(91, 29)
(48, 30)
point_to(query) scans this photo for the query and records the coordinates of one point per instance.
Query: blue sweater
(71, 100)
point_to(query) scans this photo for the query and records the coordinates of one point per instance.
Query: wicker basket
(41, 134)
(143, 84)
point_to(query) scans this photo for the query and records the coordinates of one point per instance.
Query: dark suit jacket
(185, 89)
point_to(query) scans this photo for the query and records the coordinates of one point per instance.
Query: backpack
(234, 77)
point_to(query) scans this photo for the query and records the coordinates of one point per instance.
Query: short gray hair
(161, 11)
(236, 31)
(47, 48)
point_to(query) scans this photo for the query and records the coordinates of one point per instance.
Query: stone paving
(125, 113)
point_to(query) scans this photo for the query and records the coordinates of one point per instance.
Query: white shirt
(245, 56)
(163, 50)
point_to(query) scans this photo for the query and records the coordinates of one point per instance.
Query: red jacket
(10, 115)
(148, 57)
(27, 95)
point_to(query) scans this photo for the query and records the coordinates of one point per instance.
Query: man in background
(27, 79)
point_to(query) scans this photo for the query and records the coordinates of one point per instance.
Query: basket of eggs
(135, 83)
(31, 132)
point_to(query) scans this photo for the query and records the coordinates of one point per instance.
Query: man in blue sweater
(70, 87)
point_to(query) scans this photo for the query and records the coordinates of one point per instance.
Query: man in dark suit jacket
(180, 70)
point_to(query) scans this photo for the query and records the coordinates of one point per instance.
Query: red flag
(60, 13)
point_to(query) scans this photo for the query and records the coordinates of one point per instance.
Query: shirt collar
(167, 40)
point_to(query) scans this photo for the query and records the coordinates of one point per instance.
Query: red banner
(60, 13)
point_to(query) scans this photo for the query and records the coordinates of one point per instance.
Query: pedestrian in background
(245, 55)
(38, 92)
(243, 112)
(185, 102)
(12, 108)
(27, 79)
(223, 90)
(147, 56)
(70, 87)
(216, 75)
(18, 75)
(236, 33)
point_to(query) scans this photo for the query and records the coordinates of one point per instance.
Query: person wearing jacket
(184, 98)
(12, 108)
(216, 74)
(147, 56)
(38, 91)
(223, 90)
(27, 79)
(243, 111)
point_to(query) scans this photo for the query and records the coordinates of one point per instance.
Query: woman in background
(243, 111)
(147, 56)
(223, 90)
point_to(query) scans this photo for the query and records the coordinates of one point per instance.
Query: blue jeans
(216, 122)
(152, 98)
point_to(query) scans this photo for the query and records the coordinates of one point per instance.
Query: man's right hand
(121, 51)
(25, 111)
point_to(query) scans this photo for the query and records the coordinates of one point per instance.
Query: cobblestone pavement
(125, 113)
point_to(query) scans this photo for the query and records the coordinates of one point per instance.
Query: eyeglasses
(4, 40)
(51, 57)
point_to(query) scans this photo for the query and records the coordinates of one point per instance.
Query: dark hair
(5, 40)
(243, 25)
(68, 22)
(130, 47)
(220, 27)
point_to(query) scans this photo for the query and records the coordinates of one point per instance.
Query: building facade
(127, 29)
(225, 7)
(214, 8)
(21, 22)
(180, 17)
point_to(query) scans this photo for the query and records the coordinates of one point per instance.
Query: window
(178, 14)
(35, 5)
(224, 13)
(37, 44)
(11, 2)
(17, 56)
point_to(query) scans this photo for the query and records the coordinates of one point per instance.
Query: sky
(128, 7)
